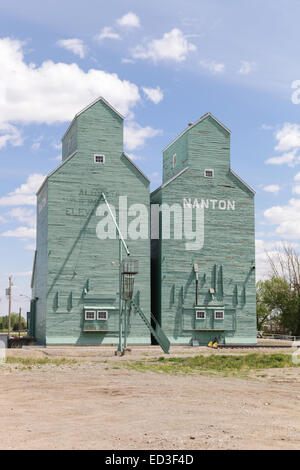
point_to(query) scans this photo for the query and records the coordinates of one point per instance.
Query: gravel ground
(94, 404)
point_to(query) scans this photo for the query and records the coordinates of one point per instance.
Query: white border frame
(209, 169)
(202, 311)
(102, 319)
(99, 155)
(219, 311)
(89, 311)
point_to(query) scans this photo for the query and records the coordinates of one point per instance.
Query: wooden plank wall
(40, 276)
(81, 269)
(227, 258)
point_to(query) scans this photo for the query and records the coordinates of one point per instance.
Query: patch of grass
(224, 364)
(30, 361)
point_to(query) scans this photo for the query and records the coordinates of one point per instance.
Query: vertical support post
(125, 326)
(121, 241)
(20, 311)
(9, 305)
(120, 295)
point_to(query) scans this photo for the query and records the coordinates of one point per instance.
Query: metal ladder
(157, 332)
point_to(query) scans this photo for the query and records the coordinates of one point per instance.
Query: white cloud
(266, 127)
(296, 189)
(25, 194)
(130, 20)
(20, 232)
(57, 146)
(132, 156)
(173, 46)
(135, 136)
(286, 218)
(30, 247)
(23, 215)
(125, 60)
(36, 146)
(57, 158)
(37, 143)
(153, 94)
(288, 142)
(74, 45)
(9, 134)
(155, 177)
(246, 67)
(107, 33)
(212, 66)
(288, 137)
(53, 92)
(297, 177)
(289, 157)
(272, 188)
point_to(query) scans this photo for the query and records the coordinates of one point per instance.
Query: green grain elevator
(75, 282)
(203, 290)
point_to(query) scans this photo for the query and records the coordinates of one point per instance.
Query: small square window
(209, 173)
(174, 160)
(102, 315)
(99, 159)
(219, 314)
(200, 315)
(90, 315)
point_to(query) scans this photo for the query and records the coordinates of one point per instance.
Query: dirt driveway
(92, 404)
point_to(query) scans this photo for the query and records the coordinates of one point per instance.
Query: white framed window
(102, 315)
(209, 173)
(174, 160)
(99, 159)
(200, 314)
(90, 315)
(219, 314)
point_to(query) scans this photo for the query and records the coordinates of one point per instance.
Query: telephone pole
(9, 303)
(20, 312)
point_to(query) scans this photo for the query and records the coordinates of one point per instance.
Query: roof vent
(190, 124)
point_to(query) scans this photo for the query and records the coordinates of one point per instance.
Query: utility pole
(9, 303)
(20, 311)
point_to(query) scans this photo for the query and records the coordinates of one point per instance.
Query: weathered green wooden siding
(180, 148)
(227, 258)
(80, 269)
(40, 275)
(69, 141)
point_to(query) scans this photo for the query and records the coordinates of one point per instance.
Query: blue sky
(162, 65)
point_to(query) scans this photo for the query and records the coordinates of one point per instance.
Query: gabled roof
(170, 180)
(195, 124)
(72, 155)
(138, 169)
(242, 181)
(55, 169)
(186, 168)
(89, 106)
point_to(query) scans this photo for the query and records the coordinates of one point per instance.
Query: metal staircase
(157, 331)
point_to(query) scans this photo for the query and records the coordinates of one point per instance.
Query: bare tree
(285, 264)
